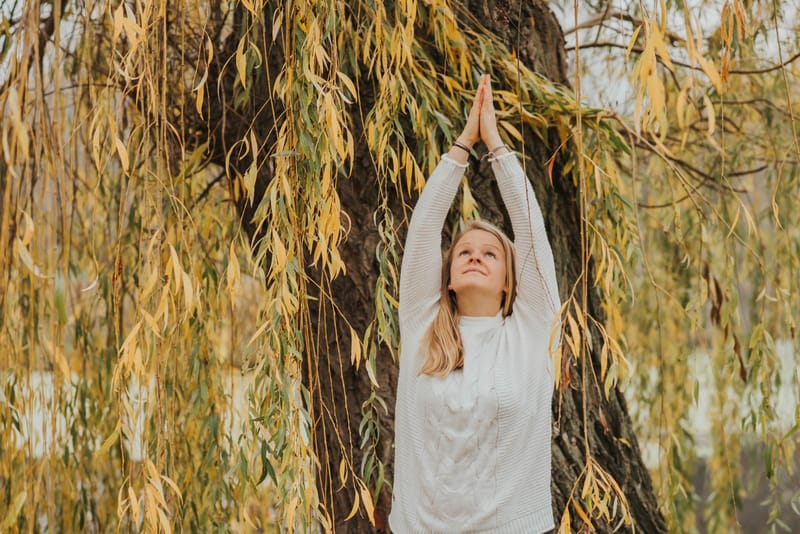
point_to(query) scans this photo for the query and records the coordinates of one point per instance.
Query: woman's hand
(481, 125)
(471, 133)
(488, 124)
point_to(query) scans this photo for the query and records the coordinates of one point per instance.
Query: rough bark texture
(539, 42)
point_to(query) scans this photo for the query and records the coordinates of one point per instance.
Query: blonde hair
(444, 350)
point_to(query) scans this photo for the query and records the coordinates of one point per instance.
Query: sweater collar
(481, 323)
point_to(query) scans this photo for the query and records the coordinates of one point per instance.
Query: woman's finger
(487, 93)
(478, 100)
(488, 126)
(471, 133)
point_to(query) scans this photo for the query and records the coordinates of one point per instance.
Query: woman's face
(478, 265)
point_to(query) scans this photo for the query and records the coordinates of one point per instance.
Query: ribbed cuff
(450, 160)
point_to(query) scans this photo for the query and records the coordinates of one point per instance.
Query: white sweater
(472, 450)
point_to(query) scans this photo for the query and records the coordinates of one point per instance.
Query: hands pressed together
(481, 125)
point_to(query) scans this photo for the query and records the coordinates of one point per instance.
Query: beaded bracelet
(490, 154)
(492, 151)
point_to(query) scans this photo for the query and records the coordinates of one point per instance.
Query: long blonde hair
(444, 350)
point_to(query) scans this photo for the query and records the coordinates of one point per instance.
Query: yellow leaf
(241, 62)
(20, 128)
(632, 41)
(13, 511)
(233, 274)
(249, 181)
(348, 83)
(578, 508)
(368, 506)
(342, 472)
(118, 16)
(163, 307)
(710, 114)
(511, 129)
(61, 362)
(603, 360)
(176, 269)
(123, 153)
(566, 526)
(356, 502)
(110, 440)
(133, 31)
(254, 145)
(752, 229)
(680, 111)
(355, 348)
(574, 333)
(188, 293)
(134, 504)
(557, 357)
(276, 23)
(172, 485)
(149, 285)
(290, 510)
(711, 71)
(131, 339)
(250, 6)
(201, 93)
(258, 332)
(661, 48)
(27, 234)
(151, 322)
(655, 90)
(278, 252)
(27, 260)
(390, 299)
(164, 520)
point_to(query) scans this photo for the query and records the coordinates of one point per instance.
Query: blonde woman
(473, 418)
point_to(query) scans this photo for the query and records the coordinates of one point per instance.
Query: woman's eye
(491, 255)
(463, 253)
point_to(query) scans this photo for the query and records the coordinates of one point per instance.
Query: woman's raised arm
(536, 274)
(420, 272)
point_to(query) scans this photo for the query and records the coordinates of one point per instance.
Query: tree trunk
(338, 390)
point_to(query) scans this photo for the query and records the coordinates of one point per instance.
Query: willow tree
(192, 192)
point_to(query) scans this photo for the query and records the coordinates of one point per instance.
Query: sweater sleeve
(420, 272)
(537, 287)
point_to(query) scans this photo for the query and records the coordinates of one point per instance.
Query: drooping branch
(639, 50)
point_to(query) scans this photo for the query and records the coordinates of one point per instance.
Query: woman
(473, 419)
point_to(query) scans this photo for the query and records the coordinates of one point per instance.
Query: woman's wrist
(465, 141)
(496, 146)
(499, 149)
(460, 150)
(463, 146)
(493, 142)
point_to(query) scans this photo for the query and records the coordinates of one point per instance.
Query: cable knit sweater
(472, 449)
